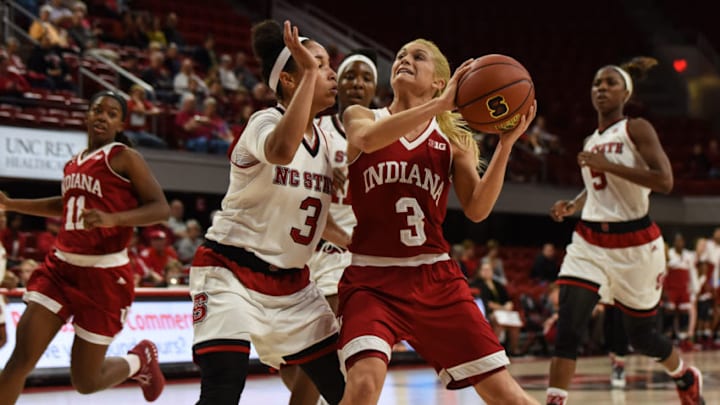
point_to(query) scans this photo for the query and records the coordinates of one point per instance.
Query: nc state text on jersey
(82, 181)
(288, 176)
(398, 172)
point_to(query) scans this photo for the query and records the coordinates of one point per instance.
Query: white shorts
(327, 266)
(631, 276)
(278, 326)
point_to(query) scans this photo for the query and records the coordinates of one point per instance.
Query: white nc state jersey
(341, 208)
(609, 197)
(277, 212)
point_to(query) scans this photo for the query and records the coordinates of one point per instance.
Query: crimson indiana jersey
(89, 182)
(400, 196)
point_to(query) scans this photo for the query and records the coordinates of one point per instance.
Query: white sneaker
(617, 377)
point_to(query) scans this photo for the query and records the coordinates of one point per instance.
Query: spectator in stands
(48, 69)
(12, 84)
(496, 298)
(697, 165)
(188, 244)
(176, 221)
(545, 268)
(43, 27)
(205, 55)
(243, 73)
(185, 119)
(13, 239)
(134, 31)
(172, 35)
(211, 132)
(713, 154)
(172, 59)
(227, 76)
(175, 274)
(59, 14)
(493, 258)
(16, 62)
(137, 126)
(157, 75)
(541, 139)
(263, 96)
(155, 32)
(46, 239)
(184, 80)
(82, 36)
(156, 257)
(25, 270)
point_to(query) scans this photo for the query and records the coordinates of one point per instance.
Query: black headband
(116, 96)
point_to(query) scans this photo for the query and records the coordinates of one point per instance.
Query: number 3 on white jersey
(415, 236)
(73, 210)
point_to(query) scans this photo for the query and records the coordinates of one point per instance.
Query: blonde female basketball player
(616, 245)
(402, 284)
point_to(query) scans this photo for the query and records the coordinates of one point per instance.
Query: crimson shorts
(97, 299)
(431, 307)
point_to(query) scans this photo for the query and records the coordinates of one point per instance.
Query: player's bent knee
(325, 374)
(222, 377)
(645, 338)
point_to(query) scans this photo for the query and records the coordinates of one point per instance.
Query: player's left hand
(93, 218)
(512, 135)
(592, 160)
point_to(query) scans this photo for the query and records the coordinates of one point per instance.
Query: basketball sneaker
(692, 395)
(150, 377)
(617, 377)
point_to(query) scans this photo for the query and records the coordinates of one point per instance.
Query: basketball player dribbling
(357, 82)
(106, 191)
(249, 280)
(402, 283)
(616, 245)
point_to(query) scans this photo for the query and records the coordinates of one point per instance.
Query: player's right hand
(562, 209)
(302, 56)
(3, 201)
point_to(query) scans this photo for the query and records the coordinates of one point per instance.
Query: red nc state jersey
(400, 196)
(89, 182)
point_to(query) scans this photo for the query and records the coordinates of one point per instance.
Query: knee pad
(325, 373)
(576, 305)
(645, 337)
(222, 376)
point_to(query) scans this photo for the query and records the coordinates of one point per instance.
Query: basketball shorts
(327, 266)
(429, 306)
(292, 328)
(632, 277)
(97, 298)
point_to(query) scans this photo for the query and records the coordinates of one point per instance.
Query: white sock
(133, 361)
(678, 371)
(553, 392)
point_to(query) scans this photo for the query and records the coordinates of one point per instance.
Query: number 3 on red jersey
(415, 219)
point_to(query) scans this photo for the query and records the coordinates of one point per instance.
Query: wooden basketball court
(417, 385)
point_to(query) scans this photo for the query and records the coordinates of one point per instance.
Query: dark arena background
(49, 70)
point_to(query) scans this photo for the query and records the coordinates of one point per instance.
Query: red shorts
(430, 307)
(675, 297)
(97, 299)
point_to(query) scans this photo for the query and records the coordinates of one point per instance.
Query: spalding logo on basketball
(495, 93)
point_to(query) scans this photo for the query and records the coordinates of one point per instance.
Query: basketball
(495, 93)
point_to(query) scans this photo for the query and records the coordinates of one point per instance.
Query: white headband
(279, 65)
(357, 58)
(626, 77)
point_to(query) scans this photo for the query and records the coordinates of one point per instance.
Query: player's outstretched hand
(512, 135)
